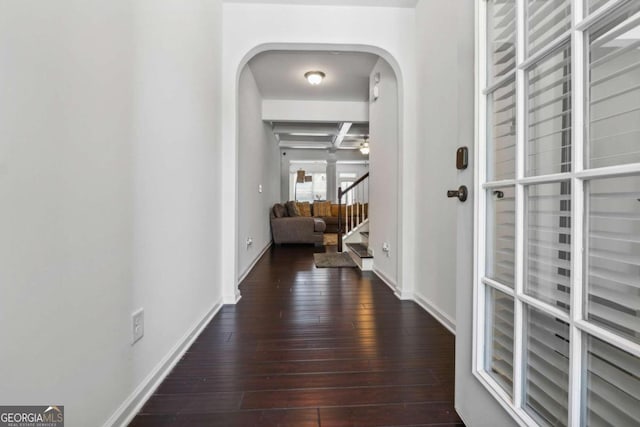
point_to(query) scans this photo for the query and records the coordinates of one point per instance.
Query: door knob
(461, 193)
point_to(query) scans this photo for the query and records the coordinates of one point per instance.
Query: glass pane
(549, 115)
(548, 243)
(501, 230)
(501, 42)
(546, 21)
(614, 91)
(501, 152)
(613, 255)
(613, 386)
(499, 336)
(547, 368)
(593, 5)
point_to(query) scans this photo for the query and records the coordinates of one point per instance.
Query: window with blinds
(501, 236)
(546, 21)
(613, 255)
(558, 211)
(547, 368)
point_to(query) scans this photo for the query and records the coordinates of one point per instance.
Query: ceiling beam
(304, 145)
(309, 129)
(344, 130)
(288, 137)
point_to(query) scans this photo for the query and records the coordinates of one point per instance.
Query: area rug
(331, 239)
(333, 259)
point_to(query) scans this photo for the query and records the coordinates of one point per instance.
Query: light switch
(260, 188)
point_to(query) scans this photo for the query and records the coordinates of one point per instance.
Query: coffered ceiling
(341, 136)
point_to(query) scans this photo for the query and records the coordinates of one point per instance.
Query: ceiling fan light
(314, 77)
(364, 148)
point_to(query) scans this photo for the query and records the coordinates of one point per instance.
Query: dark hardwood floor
(311, 347)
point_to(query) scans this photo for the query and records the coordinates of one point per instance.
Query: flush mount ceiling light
(364, 147)
(314, 77)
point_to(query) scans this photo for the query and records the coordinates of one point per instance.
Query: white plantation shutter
(613, 386)
(501, 226)
(548, 252)
(547, 368)
(546, 21)
(559, 275)
(499, 355)
(548, 148)
(614, 92)
(613, 273)
(501, 38)
(502, 133)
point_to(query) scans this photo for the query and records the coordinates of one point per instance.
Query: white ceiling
(280, 75)
(375, 3)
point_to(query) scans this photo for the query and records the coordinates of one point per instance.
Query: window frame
(575, 39)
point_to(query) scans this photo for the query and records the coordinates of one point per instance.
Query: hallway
(310, 347)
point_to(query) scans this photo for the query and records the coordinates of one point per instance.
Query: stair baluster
(357, 194)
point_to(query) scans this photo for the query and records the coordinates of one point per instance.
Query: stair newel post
(340, 232)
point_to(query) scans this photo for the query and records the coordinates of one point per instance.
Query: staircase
(353, 222)
(359, 250)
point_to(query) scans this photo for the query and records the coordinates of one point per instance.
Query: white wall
(251, 28)
(109, 148)
(318, 111)
(446, 121)
(259, 160)
(66, 205)
(177, 218)
(438, 124)
(383, 181)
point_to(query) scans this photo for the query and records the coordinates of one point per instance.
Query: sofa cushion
(334, 209)
(279, 211)
(304, 208)
(321, 209)
(292, 209)
(319, 225)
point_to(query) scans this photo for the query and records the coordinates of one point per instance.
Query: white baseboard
(390, 283)
(403, 295)
(430, 308)
(439, 315)
(254, 262)
(132, 405)
(232, 299)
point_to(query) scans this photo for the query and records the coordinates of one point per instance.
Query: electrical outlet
(260, 188)
(386, 248)
(138, 325)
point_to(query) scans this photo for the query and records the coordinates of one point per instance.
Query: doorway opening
(302, 142)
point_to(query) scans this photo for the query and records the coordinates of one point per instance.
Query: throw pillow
(321, 209)
(292, 209)
(335, 210)
(279, 211)
(304, 208)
